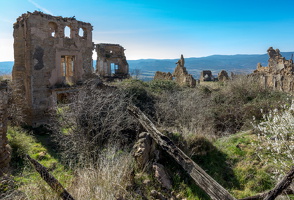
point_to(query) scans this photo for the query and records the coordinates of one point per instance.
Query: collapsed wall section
(49, 52)
(279, 74)
(4, 148)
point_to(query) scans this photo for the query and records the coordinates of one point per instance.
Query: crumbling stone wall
(206, 75)
(4, 148)
(279, 74)
(111, 61)
(45, 58)
(163, 76)
(181, 75)
(223, 76)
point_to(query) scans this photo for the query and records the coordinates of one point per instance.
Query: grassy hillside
(223, 127)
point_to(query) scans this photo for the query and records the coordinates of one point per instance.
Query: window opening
(67, 31)
(81, 32)
(114, 68)
(53, 29)
(67, 67)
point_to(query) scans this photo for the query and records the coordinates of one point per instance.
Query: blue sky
(168, 28)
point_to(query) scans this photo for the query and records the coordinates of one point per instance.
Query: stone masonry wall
(111, 54)
(4, 148)
(279, 74)
(46, 57)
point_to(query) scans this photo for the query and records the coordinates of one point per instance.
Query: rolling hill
(240, 63)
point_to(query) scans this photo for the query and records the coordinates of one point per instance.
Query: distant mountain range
(147, 67)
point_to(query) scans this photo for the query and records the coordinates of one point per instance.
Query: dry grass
(5, 77)
(108, 179)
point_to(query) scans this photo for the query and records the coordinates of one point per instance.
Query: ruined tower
(111, 61)
(49, 52)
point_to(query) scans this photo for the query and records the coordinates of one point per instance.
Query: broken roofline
(49, 17)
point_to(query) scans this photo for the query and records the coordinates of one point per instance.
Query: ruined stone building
(163, 76)
(223, 76)
(279, 74)
(52, 56)
(49, 52)
(180, 74)
(206, 75)
(111, 61)
(4, 148)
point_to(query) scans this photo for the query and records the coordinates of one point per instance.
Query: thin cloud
(40, 7)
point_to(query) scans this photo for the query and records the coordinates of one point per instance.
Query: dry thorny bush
(215, 111)
(96, 116)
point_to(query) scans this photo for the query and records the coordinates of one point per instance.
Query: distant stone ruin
(279, 72)
(206, 75)
(223, 76)
(182, 77)
(181, 74)
(111, 61)
(163, 76)
(52, 57)
(4, 148)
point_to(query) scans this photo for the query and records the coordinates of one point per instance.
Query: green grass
(252, 173)
(38, 147)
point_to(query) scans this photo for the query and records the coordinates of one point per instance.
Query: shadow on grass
(43, 135)
(210, 159)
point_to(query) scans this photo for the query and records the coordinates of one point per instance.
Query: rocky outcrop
(163, 76)
(143, 149)
(161, 176)
(4, 147)
(279, 74)
(223, 76)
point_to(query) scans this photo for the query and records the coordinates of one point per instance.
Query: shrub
(239, 100)
(20, 144)
(95, 117)
(276, 139)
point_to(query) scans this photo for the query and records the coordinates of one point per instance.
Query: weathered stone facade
(163, 76)
(46, 58)
(223, 76)
(206, 75)
(4, 148)
(279, 74)
(111, 61)
(181, 75)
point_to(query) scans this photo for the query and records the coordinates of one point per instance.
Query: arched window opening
(67, 31)
(53, 29)
(81, 32)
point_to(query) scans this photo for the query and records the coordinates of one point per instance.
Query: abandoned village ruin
(279, 72)
(47, 61)
(50, 65)
(182, 77)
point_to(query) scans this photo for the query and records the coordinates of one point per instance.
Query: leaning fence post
(201, 178)
(50, 179)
